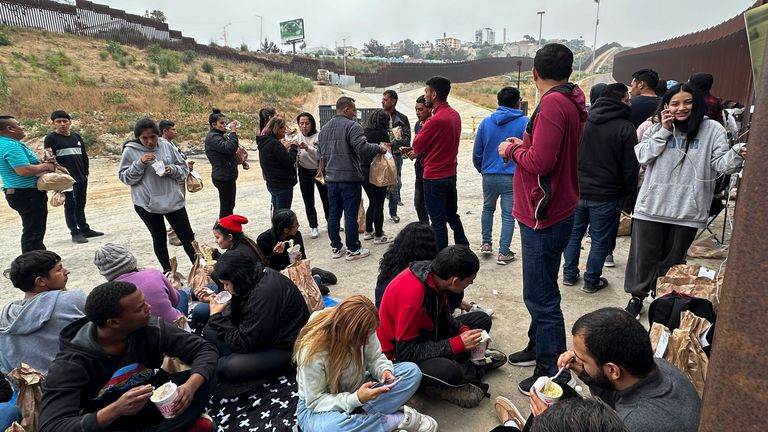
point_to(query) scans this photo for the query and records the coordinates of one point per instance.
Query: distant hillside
(108, 86)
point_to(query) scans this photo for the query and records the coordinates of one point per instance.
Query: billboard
(292, 31)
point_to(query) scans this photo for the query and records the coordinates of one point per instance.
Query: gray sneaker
(486, 248)
(338, 253)
(358, 254)
(503, 259)
(609, 261)
(465, 396)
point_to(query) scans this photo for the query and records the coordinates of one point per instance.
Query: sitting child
(339, 360)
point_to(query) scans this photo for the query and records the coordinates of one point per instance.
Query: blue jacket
(500, 125)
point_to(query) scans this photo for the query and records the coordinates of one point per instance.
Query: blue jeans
(183, 305)
(541, 250)
(202, 311)
(497, 186)
(281, 197)
(10, 413)
(344, 197)
(374, 411)
(443, 205)
(602, 218)
(394, 194)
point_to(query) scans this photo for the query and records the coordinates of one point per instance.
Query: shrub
(116, 50)
(103, 78)
(243, 47)
(4, 39)
(122, 63)
(152, 68)
(221, 77)
(155, 82)
(194, 86)
(56, 60)
(207, 67)
(5, 88)
(103, 55)
(115, 98)
(188, 56)
(277, 84)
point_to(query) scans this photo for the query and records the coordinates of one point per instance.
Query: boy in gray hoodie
(30, 327)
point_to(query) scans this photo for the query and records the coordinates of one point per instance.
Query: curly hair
(416, 242)
(103, 303)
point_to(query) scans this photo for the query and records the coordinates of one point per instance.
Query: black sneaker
(590, 288)
(494, 359)
(324, 289)
(570, 282)
(465, 396)
(526, 357)
(79, 238)
(635, 307)
(395, 218)
(91, 233)
(326, 277)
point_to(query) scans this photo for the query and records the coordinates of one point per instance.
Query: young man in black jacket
(69, 149)
(403, 139)
(608, 172)
(109, 365)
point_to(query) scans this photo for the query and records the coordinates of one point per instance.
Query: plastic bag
(300, 273)
(57, 199)
(320, 174)
(194, 182)
(383, 171)
(58, 180)
(30, 383)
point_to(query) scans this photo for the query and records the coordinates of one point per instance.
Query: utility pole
(594, 43)
(261, 28)
(344, 51)
(541, 20)
(224, 33)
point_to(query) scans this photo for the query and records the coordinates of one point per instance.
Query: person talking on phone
(683, 155)
(417, 326)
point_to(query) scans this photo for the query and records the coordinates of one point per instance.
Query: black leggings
(227, 194)
(179, 221)
(374, 216)
(307, 185)
(241, 367)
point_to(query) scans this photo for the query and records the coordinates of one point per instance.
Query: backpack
(666, 311)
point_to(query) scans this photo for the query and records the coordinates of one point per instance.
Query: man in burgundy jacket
(547, 180)
(438, 145)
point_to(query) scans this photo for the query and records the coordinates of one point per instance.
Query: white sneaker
(414, 421)
(314, 233)
(477, 308)
(381, 240)
(338, 253)
(358, 254)
(368, 236)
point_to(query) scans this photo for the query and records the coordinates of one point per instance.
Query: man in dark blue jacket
(506, 122)
(341, 145)
(608, 172)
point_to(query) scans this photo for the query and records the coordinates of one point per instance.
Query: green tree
(269, 47)
(155, 14)
(376, 49)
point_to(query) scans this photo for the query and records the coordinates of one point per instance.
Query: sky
(327, 22)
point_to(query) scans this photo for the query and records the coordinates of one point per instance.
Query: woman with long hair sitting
(255, 331)
(339, 361)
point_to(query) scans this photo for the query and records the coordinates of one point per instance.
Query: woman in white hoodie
(153, 169)
(339, 362)
(683, 155)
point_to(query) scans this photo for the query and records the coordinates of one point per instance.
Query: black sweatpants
(654, 248)
(32, 205)
(237, 367)
(179, 221)
(307, 185)
(227, 194)
(458, 370)
(374, 216)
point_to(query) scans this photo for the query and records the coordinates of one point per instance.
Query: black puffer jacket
(608, 166)
(220, 150)
(278, 165)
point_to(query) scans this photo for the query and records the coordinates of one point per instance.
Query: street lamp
(261, 27)
(344, 52)
(541, 19)
(594, 43)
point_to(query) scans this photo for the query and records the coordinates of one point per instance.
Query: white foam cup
(163, 398)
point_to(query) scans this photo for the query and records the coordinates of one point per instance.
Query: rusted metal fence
(94, 20)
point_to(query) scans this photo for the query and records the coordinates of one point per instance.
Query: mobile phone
(406, 149)
(388, 384)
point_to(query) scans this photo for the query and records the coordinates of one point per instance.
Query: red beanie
(233, 222)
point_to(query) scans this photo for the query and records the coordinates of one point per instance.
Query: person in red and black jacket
(704, 82)
(438, 146)
(546, 194)
(416, 326)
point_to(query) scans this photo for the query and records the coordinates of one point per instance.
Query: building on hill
(448, 42)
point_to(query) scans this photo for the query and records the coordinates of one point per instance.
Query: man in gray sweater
(340, 147)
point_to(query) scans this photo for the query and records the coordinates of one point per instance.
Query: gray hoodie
(679, 187)
(29, 329)
(154, 193)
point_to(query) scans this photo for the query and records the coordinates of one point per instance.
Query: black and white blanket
(271, 407)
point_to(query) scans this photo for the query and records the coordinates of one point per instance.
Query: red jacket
(438, 140)
(415, 319)
(546, 178)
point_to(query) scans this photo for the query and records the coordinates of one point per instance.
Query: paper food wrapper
(29, 382)
(15, 427)
(694, 280)
(683, 348)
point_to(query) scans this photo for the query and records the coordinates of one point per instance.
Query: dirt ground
(498, 287)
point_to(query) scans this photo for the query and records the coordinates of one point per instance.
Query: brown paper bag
(57, 199)
(174, 364)
(58, 180)
(685, 279)
(320, 174)
(241, 155)
(174, 277)
(683, 347)
(194, 182)
(300, 273)
(197, 277)
(625, 225)
(383, 171)
(707, 247)
(29, 383)
(15, 427)
(360, 217)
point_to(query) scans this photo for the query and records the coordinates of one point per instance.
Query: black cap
(60, 114)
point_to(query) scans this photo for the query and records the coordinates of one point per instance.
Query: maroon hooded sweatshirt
(546, 178)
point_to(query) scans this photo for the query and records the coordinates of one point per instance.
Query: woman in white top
(339, 361)
(307, 166)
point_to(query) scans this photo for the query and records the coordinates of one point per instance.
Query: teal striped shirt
(14, 154)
